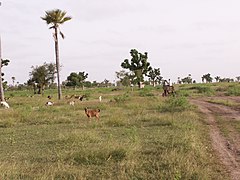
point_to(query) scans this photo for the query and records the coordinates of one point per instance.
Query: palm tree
(55, 18)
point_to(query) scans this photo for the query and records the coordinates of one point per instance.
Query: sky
(181, 37)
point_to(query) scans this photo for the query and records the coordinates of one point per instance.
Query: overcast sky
(181, 36)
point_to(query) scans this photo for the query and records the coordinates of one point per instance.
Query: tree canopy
(155, 76)
(138, 65)
(42, 76)
(76, 79)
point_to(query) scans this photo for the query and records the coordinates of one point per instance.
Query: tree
(187, 79)
(55, 18)
(124, 77)
(207, 77)
(139, 65)
(155, 76)
(217, 78)
(238, 78)
(76, 79)
(41, 76)
(13, 80)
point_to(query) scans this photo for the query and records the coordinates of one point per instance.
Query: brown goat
(92, 113)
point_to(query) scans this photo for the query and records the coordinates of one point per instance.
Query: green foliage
(155, 76)
(121, 98)
(139, 65)
(145, 92)
(207, 77)
(175, 104)
(233, 90)
(76, 79)
(55, 17)
(42, 75)
(205, 90)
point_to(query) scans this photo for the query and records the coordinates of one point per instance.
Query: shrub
(145, 92)
(175, 104)
(122, 98)
(234, 91)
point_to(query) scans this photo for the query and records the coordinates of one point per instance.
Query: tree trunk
(1, 83)
(57, 64)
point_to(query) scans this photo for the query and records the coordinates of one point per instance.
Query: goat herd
(89, 112)
(167, 90)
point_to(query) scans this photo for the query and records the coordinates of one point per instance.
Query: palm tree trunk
(57, 65)
(1, 83)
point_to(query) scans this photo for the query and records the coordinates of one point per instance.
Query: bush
(234, 91)
(122, 98)
(145, 92)
(175, 104)
(207, 90)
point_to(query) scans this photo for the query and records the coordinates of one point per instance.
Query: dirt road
(226, 146)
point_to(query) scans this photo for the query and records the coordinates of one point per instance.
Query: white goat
(49, 103)
(100, 98)
(5, 104)
(72, 103)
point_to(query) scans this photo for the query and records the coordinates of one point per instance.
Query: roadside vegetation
(140, 135)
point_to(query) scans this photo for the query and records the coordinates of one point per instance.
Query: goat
(5, 104)
(49, 103)
(100, 98)
(92, 113)
(72, 103)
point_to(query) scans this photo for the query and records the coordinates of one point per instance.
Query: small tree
(187, 79)
(217, 78)
(207, 77)
(41, 76)
(138, 65)
(76, 79)
(155, 76)
(124, 78)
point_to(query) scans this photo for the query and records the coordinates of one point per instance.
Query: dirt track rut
(226, 148)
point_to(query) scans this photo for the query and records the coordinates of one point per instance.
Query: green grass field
(140, 135)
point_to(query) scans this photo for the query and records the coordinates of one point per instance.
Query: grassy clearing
(140, 135)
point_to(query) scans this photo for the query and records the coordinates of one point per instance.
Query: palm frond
(62, 34)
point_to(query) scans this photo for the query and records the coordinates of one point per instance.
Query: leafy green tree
(155, 76)
(217, 78)
(55, 18)
(76, 79)
(42, 76)
(138, 65)
(124, 77)
(207, 77)
(187, 79)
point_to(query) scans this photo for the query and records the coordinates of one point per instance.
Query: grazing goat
(5, 104)
(49, 103)
(49, 97)
(72, 103)
(92, 113)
